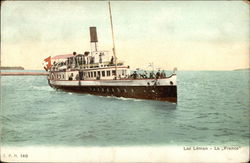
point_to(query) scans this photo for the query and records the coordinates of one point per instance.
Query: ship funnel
(93, 34)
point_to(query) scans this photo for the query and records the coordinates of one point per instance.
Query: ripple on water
(212, 110)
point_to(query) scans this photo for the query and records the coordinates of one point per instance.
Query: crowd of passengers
(135, 75)
(145, 75)
(80, 59)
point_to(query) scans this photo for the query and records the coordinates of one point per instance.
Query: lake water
(212, 109)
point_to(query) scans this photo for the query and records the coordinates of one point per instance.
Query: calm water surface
(212, 109)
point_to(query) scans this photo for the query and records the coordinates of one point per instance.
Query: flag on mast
(47, 63)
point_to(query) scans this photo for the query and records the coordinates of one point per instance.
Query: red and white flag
(47, 63)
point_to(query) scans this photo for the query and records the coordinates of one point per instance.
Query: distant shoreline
(23, 73)
(11, 68)
(242, 69)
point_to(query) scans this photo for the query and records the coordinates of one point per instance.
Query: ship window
(95, 74)
(123, 72)
(119, 72)
(103, 73)
(91, 74)
(113, 72)
(99, 74)
(108, 73)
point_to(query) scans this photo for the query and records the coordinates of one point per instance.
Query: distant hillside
(242, 69)
(11, 68)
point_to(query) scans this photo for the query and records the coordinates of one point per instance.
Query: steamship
(101, 73)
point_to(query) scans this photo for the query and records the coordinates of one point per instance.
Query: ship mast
(110, 14)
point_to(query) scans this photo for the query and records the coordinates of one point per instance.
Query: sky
(194, 35)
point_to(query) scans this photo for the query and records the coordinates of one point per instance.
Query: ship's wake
(123, 98)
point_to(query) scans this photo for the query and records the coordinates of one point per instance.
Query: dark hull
(161, 93)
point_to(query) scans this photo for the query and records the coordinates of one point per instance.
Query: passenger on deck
(158, 74)
(163, 75)
(100, 58)
(80, 60)
(134, 75)
(98, 77)
(75, 61)
(92, 60)
(145, 75)
(112, 60)
(77, 77)
(151, 75)
(71, 76)
(84, 60)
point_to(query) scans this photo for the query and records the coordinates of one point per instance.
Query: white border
(126, 154)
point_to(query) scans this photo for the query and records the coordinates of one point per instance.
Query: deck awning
(63, 56)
